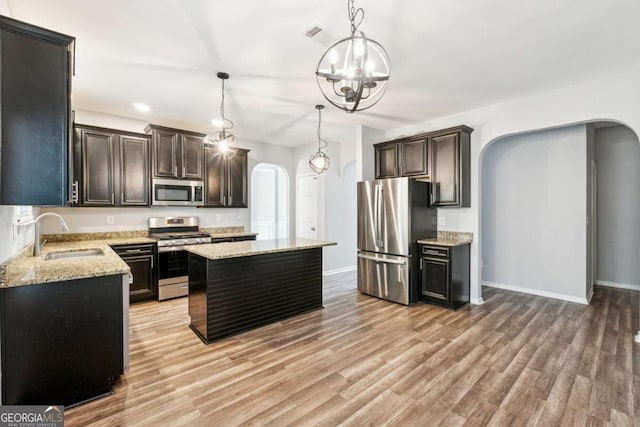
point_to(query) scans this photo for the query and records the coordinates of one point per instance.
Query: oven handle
(163, 249)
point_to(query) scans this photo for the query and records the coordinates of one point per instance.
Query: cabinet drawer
(436, 251)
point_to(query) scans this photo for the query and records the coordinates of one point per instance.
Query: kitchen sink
(74, 254)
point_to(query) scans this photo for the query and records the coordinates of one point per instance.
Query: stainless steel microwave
(175, 192)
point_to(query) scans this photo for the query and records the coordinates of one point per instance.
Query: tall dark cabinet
(176, 153)
(35, 85)
(111, 167)
(226, 179)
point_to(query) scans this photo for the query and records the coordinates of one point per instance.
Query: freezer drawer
(384, 276)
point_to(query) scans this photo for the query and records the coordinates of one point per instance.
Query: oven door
(173, 274)
(172, 192)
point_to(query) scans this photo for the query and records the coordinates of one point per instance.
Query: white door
(307, 207)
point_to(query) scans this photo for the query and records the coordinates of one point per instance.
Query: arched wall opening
(269, 201)
(557, 213)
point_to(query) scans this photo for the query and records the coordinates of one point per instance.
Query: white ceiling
(446, 57)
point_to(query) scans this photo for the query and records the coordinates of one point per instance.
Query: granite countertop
(449, 238)
(28, 270)
(254, 247)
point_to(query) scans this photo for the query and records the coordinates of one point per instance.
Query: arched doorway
(558, 211)
(269, 201)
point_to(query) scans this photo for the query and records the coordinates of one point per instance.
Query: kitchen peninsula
(235, 287)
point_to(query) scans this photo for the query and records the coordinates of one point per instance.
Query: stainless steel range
(173, 234)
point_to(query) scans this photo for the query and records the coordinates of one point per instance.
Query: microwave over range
(175, 192)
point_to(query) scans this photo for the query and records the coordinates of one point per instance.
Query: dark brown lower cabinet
(141, 259)
(444, 275)
(62, 342)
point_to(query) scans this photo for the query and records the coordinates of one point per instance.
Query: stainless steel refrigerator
(392, 215)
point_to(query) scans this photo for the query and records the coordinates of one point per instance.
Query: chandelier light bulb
(333, 56)
(358, 48)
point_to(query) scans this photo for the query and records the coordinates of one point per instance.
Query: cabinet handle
(175, 170)
(130, 251)
(183, 171)
(421, 262)
(230, 201)
(74, 192)
(122, 197)
(434, 252)
(224, 200)
(152, 262)
(113, 199)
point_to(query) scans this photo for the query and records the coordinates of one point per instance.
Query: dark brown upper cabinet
(441, 157)
(111, 167)
(36, 69)
(403, 157)
(225, 179)
(176, 153)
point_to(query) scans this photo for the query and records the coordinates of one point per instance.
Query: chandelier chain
(353, 14)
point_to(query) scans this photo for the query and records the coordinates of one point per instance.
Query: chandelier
(223, 139)
(319, 161)
(353, 72)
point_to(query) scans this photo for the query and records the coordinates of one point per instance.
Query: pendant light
(353, 72)
(319, 161)
(223, 139)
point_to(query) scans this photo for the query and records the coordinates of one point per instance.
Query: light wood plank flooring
(516, 360)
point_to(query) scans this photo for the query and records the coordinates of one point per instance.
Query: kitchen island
(235, 287)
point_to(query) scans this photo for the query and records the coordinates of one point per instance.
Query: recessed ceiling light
(217, 123)
(141, 107)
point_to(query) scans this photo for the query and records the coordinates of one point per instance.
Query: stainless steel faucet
(36, 229)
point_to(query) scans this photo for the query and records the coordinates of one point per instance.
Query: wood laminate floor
(516, 360)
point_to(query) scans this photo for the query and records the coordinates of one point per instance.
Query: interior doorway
(307, 207)
(269, 201)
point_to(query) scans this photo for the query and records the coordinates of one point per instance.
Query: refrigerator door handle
(386, 261)
(379, 212)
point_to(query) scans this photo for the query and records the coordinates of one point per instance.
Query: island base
(233, 295)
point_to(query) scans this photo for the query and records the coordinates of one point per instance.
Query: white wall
(533, 212)
(13, 241)
(615, 98)
(95, 219)
(618, 159)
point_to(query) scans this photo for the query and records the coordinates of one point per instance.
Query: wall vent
(313, 31)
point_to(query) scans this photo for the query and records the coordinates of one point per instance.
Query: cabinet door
(35, 113)
(414, 158)
(192, 157)
(237, 180)
(386, 159)
(435, 278)
(445, 174)
(215, 193)
(134, 171)
(97, 168)
(142, 287)
(165, 149)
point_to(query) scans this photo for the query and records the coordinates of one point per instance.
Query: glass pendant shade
(319, 161)
(353, 72)
(223, 139)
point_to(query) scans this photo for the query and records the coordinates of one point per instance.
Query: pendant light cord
(224, 119)
(321, 142)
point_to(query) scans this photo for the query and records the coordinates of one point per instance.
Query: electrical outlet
(219, 218)
(440, 220)
(109, 219)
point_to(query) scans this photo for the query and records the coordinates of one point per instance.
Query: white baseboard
(547, 294)
(590, 295)
(477, 301)
(339, 270)
(617, 285)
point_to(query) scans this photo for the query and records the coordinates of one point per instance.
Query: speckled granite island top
(254, 247)
(449, 238)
